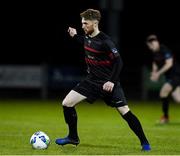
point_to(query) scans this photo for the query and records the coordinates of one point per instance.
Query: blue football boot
(146, 147)
(67, 140)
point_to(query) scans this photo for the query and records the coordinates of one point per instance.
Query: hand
(154, 76)
(72, 31)
(108, 86)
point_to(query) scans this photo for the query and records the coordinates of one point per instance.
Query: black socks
(135, 125)
(165, 106)
(70, 117)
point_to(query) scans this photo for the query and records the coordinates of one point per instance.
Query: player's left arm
(167, 65)
(117, 66)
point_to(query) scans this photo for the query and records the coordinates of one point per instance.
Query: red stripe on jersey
(94, 62)
(92, 50)
(111, 56)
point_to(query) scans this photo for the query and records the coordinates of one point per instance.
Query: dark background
(36, 33)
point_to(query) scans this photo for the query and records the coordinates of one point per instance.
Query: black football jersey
(160, 58)
(101, 57)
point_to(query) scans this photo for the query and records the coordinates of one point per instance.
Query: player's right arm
(153, 72)
(73, 33)
(154, 67)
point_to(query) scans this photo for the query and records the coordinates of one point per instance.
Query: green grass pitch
(102, 130)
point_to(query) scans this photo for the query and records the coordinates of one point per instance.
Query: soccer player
(104, 65)
(164, 64)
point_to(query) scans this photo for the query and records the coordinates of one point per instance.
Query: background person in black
(164, 64)
(104, 66)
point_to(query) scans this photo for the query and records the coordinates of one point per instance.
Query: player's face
(88, 26)
(153, 46)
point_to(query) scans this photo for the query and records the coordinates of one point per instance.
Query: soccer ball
(40, 140)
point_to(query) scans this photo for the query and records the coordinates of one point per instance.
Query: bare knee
(176, 98)
(166, 90)
(123, 110)
(163, 94)
(176, 94)
(64, 103)
(72, 99)
(67, 102)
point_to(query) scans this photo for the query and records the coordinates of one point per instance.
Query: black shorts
(93, 90)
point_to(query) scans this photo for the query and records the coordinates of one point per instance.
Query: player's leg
(135, 126)
(69, 110)
(72, 98)
(164, 95)
(176, 94)
(118, 101)
(84, 90)
(70, 117)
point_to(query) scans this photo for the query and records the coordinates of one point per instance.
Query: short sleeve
(167, 54)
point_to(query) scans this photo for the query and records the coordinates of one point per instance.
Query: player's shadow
(168, 124)
(99, 146)
(71, 149)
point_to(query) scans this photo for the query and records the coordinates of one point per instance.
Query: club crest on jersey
(89, 42)
(114, 50)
